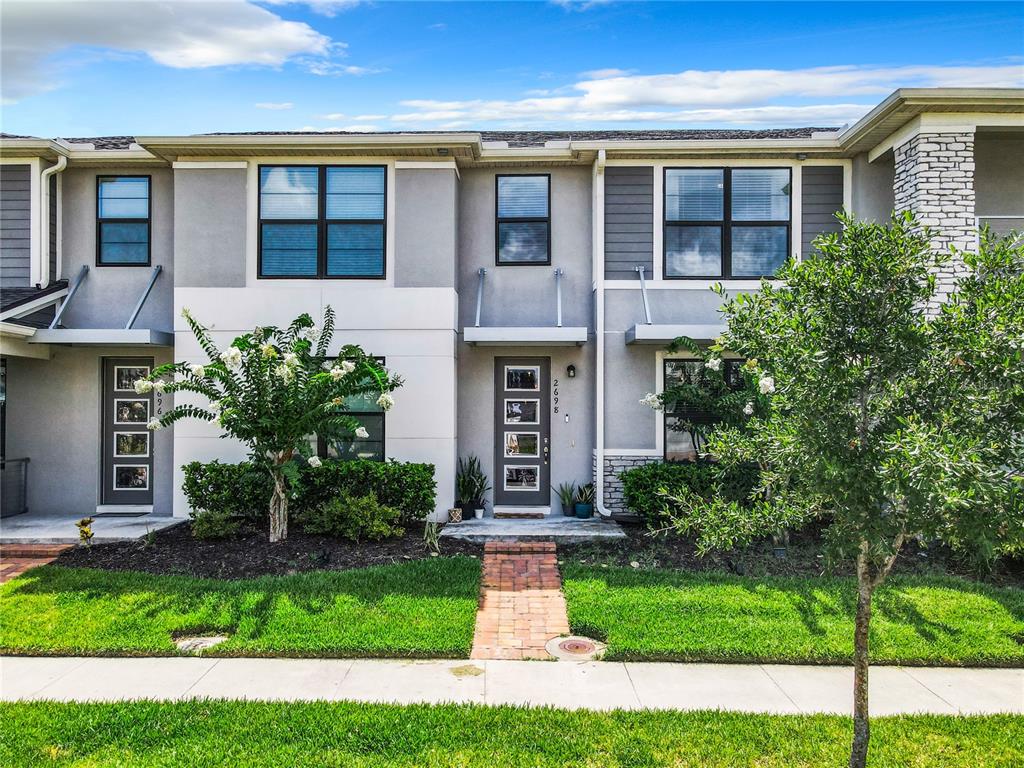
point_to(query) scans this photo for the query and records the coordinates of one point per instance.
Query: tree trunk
(861, 726)
(279, 500)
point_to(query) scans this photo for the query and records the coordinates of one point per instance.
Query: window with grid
(122, 221)
(686, 426)
(523, 220)
(322, 221)
(364, 409)
(726, 222)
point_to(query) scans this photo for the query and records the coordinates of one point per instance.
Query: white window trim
(253, 222)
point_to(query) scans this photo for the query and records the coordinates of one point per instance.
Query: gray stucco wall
(873, 197)
(628, 221)
(624, 307)
(572, 442)
(209, 227)
(629, 375)
(109, 294)
(15, 225)
(525, 295)
(821, 196)
(54, 419)
(426, 227)
(999, 176)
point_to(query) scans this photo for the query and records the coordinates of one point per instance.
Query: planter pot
(454, 515)
(478, 514)
(569, 510)
(467, 510)
(584, 511)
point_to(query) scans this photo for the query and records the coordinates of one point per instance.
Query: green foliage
(356, 518)
(85, 532)
(647, 489)
(585, 494)
(891, 422)
(240, 490)
(259, 734)
(214, 524)
(566, 495)
(670, 615)
(471, 485)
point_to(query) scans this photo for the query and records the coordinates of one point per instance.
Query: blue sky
(186, 66)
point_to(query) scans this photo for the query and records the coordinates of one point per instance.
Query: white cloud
(326, 68)
(439, 27)
(820, 95)
(601, 74)
(181, 35)
(358, 128)
(323, 7)
(274, 105)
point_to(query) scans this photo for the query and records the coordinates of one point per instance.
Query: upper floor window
(322, 221)
(726, 222)
(122, 221)
(523, 220)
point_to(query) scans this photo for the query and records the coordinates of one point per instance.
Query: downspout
(44, 218)
(597, 253)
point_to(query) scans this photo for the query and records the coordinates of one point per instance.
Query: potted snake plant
(471, 487)
(585, 501)
(567, 496)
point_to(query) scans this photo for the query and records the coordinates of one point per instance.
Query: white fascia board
(218, 165)
(105, 337)
(505, 336)
(664, 334)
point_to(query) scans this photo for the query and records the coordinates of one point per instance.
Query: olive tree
(886, 422)
(273, 389)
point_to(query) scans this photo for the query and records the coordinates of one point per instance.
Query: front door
(127, 443)
(522, 426)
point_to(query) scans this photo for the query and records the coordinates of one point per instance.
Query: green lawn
(670, 615)
(197, 734)
(420, 608)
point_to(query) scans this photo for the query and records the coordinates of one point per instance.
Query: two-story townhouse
(524, 284)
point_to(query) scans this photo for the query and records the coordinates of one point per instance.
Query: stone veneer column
(934, 180)
(613, 467)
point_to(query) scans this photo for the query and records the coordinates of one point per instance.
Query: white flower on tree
(309, 334)
(269, 350)
(651, 400)
(361, 433)
(143, 386)
(314, 461)
(385, 401)
(748, 409)
(291, 359)
(154, 425)
(766, 384)
(232, 358)
(347, 366)
(159, 386)
(337, 374)
(285, 372)
(714, 363)
(198, 371)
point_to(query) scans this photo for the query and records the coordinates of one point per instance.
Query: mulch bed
(175, 551)
(802, 557)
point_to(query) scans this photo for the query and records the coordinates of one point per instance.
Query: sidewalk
(779, 689)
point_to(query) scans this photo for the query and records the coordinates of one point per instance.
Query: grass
(208, 733)
(669, 615)
(423, 608)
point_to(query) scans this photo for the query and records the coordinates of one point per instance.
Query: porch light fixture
(571, 371)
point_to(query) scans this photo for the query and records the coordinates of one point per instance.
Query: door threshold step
(521, 513)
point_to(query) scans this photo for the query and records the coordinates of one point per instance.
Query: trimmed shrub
(641, 486)
(239, 490)
(214, 524)
(353, 517)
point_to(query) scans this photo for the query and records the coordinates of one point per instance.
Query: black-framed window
(685, 425)
(726, 222)
(123, 212)
(364, 409)
(322, 221)
(522, 228)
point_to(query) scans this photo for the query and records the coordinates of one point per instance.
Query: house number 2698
(554, 394)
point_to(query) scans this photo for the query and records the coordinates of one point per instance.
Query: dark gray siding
(628, 222)
(821, 198)
(15, 225)
(53, 229)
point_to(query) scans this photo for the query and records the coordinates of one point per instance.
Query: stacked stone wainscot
(615, 465)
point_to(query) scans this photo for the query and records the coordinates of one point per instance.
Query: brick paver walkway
(521, 602)
(15, 559)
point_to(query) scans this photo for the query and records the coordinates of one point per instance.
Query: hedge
(641, 486)
(243, 491)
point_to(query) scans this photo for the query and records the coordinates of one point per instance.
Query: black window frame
(321, 222)
(725, 224)
(736, 363)
(499, 220)
(321, 443)
(148, 221)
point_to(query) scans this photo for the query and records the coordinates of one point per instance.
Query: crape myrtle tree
(884, 421)
(272, 389)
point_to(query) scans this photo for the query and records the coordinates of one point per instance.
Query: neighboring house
(523, 284)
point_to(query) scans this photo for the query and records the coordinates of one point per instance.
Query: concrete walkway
(592, 685)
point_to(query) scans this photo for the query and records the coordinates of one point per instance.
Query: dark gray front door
(127, 444)
(522, 425)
